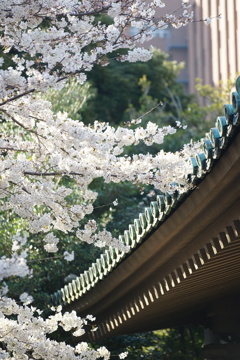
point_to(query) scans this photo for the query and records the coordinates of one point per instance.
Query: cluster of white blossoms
(17, 264)
(43, 147)
(26, 337)
(55, 39)
(49, 160)
(25, 298)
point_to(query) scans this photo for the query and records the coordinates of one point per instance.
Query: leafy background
(117, 94)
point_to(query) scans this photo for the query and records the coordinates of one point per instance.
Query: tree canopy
(49, 160)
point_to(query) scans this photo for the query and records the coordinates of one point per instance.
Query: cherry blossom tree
(48, 160)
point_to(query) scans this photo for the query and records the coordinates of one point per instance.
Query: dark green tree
(117, 86)
(117, 94)
(182, 343)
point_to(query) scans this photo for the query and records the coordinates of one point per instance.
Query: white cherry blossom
(40, 148)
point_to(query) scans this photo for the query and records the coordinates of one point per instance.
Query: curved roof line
(212, 145)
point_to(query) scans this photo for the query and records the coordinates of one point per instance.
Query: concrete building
(213, 51)
(173, 41)
(210, 52)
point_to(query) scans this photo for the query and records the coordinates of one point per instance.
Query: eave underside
(187, 263)
(167, 303)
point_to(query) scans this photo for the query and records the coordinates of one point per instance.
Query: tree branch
(20, 124)
(4, 148)
(17, 96)
(55, 173)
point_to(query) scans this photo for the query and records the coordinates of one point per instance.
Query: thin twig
(17, 96)
(93, 12)
(55, 173)
(11, 149)
(23, 188)
(44, 259)
(21, 125)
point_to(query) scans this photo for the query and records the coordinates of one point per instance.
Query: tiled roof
(212, 146)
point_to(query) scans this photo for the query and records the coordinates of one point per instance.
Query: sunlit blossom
(41, 148)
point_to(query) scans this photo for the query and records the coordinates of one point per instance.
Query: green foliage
(169, 112)
(161, 113)
(72, 98)
(49, 270)
(131, 201)
(117, 94)
(183, 343)
(196, 118)
(213, 97)
(10, 224)
(117, 87)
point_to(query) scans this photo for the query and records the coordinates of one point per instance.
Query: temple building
(183, 264)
